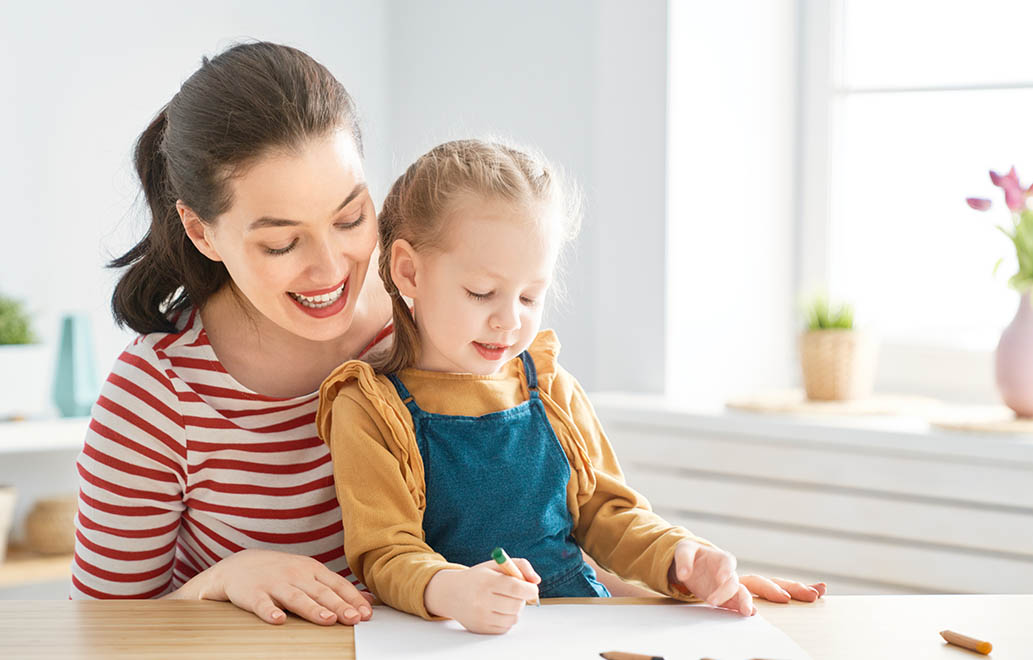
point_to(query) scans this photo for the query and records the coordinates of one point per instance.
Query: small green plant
(15, 325)
(823, 315)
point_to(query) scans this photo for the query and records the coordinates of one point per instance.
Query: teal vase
(76, 384)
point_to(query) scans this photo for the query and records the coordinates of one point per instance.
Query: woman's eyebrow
(266, 221)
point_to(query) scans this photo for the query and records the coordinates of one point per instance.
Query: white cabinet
(875, 507)
(38, 458)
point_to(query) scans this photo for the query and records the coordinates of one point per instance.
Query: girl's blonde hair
(421, 198)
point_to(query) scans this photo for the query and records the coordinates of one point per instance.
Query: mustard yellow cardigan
(379, 475)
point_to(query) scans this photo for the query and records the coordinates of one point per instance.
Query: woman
(202, 475)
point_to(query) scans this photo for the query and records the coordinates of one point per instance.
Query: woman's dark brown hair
(240, 105)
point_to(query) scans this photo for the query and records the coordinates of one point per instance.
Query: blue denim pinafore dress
(501, 480)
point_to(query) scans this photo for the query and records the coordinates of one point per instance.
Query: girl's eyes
(339, 225)
(530, 302)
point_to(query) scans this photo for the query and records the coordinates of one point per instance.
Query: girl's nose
(506, 319)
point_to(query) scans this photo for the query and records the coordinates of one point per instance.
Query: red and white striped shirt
(184, 466)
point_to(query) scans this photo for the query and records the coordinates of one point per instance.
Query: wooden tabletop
(838, 628)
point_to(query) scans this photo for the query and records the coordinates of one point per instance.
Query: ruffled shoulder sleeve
(545, 351)
(354, 395)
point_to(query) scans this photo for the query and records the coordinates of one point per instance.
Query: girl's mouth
(490, 351)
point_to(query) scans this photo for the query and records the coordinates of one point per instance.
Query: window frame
(951, 373)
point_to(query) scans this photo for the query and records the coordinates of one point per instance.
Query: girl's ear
(196, 231)
(404, 263)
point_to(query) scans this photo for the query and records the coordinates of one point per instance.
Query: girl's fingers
(741, 602)
(513, 588)
(724, 592)
(527, 570)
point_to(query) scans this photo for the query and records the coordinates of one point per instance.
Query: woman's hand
(709, 574)
(482, 598)
(779, 590)
(267, 582)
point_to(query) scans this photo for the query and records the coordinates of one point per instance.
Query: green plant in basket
(15, 324)
(1019, 231)
(824, 315)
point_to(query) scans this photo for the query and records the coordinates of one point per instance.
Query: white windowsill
(907, 435)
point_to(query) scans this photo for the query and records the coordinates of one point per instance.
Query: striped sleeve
(132, 475)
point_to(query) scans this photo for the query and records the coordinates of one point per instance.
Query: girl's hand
(709, 574)
(779, 590)
(267, 582)
(482, 598)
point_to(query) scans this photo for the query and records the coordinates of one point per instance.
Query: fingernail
(365, 611)
(326, 614)
(276, 615)
(785, 593)
(350, 613)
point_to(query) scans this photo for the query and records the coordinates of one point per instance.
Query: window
(906, 104)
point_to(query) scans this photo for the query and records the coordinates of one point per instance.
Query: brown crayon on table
(966, 642)
(620, 655)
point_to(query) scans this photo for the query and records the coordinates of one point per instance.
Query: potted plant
(24, 372)
(1013, 360)
(838, 361)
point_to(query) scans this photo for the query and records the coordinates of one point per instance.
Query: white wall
(585, 81)
(731, 227)
(82, 80)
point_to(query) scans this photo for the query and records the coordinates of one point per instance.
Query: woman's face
(299, 236)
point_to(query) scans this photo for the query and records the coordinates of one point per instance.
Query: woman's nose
(326, 263)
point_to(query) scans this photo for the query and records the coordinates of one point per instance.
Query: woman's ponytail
(144, 294)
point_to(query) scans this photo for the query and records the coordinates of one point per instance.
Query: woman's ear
(196, 231)
(404, 264)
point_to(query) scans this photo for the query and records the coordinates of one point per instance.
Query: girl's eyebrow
(503, 278)
(266, 221)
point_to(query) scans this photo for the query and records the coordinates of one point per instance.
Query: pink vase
(1014, 360)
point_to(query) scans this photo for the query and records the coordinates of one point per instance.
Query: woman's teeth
(317, 302)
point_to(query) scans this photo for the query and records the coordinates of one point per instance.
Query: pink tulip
(1014, 194)
(978, 203)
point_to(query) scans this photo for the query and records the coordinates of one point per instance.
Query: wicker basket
(50, 525)
(838, 365)
(8, 497)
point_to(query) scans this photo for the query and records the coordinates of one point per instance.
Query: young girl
(469, 435)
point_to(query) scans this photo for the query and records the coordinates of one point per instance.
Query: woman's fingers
(346, 598)
(798, 590)
(265, 609)
(765, 588)
(780, 590)
(299, 602)
(346, 613)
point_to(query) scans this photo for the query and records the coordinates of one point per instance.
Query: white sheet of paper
(572, 632)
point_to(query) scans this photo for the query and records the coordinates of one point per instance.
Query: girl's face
(299, 237)
(478, 299)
